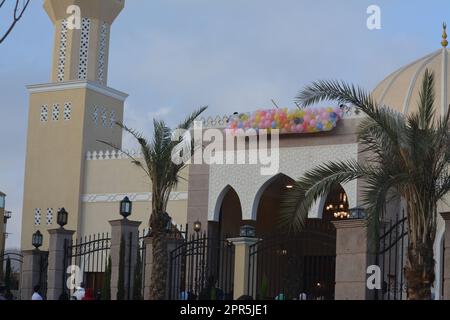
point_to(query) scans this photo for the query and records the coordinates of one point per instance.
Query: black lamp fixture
(62, 218)
(37, 239)
(197, 226)
(247, 232)
(125, 207)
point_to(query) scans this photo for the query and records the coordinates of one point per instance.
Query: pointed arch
(261, 191)
(219, 201)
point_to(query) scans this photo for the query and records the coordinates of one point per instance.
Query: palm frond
(316, 183)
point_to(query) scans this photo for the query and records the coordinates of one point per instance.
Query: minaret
(69, 115)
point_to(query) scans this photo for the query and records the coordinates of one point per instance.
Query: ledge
(350, 223)
(125, 222)
(78, 84)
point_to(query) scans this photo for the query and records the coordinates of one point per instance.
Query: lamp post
(62, 218)
(37, 240)
(125, 207)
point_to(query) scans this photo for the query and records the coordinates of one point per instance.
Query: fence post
(31, 272)
(129, 232)
(241, 264)
(56, 256)
(446, 257)
(148, 266)
(352, 258)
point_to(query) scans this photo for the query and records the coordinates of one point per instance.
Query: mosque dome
(400, 90)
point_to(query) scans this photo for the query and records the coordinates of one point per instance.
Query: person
(79, 293)
(2, 292)
(245, 298)
(88, 295)
(36, 293)
(64, 296)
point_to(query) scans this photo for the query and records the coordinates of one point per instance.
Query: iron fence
(294, 266)
(391, 257)
(89, 256)
(201, 268)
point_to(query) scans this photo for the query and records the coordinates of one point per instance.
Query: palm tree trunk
(159, 266)
(419, 271)
(158, 223)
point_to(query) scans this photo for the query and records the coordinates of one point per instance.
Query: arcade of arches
(308, 257)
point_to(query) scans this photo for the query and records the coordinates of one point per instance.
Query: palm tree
(164, 176)
(407, 157)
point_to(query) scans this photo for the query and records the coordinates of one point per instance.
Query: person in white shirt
(36, 295)
(79, 293)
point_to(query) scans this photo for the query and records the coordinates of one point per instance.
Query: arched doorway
(298, 265)
(230, 216)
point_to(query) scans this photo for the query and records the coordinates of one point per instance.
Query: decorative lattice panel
(49, 219)
(62, 51)
(84, 48)
(55, 112)
(67, 111)
(37, 217)
(102, 53)
(44, 113)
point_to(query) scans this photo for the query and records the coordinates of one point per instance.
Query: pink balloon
(307, 118)
(312, 123)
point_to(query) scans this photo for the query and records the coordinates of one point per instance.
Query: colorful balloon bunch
(288, 121)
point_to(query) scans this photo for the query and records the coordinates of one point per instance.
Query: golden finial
(444, 35)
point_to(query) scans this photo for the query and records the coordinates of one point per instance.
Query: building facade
(67, 166)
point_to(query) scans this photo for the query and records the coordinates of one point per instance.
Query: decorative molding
(135, 197)
(220, 122)
(78, 84)
(112, 155)
(215, 122)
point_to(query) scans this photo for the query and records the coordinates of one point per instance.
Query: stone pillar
(352, 258)
(446, 257)
(241, 264)
(59, 238)
(129, 232)
(32, 272)
(148, 267)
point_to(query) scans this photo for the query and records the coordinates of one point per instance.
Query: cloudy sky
(172, 56)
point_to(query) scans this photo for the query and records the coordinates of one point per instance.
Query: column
(352, 258)
(59, 238)
(128, 232)
(241, 264)
(34, 272)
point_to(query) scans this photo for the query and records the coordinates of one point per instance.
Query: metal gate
(10, 271)
(89, 256)
(202, 268)
(294, 266)
(391, 258)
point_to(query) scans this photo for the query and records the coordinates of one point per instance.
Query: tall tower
(69, 115)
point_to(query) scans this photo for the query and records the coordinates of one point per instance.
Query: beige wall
(56, 152)
(106, 182)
